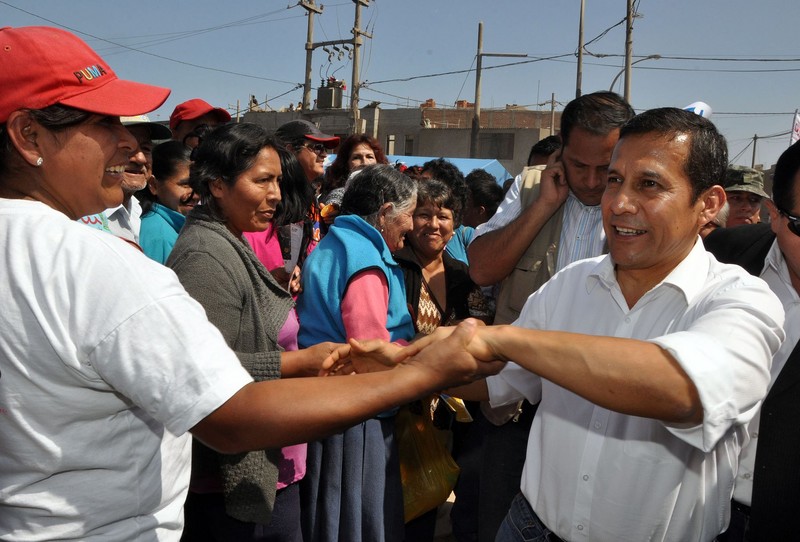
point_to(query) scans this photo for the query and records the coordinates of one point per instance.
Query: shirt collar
(688, 277)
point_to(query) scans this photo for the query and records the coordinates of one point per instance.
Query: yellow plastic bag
(427, 469)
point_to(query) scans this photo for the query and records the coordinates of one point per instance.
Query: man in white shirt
(549, 218)
(767, 491)
(125, 220)
(648, 362)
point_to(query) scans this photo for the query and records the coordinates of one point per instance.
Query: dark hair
(339, 170)
(484, 190)
(707, 160)
(447, 172)
(55, 118)
(439, 194)
(783, 180)
(167, 156)
(544, 147)
(297, 194)
(599, 113)
(375, 186)
(225, 153)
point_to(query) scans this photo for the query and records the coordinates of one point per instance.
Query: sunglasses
(316, 148)
(794, 221)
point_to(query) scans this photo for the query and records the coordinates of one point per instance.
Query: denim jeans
(523, 525)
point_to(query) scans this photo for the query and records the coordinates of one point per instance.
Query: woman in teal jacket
(166, 200)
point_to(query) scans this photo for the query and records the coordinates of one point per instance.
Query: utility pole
(753, 159)
(476, 113)
(357, 41)
(580, 52)
(553, 113)
(309, 6)
(628, 50)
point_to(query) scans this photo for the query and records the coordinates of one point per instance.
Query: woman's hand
(309, 361)
(366, 356)
(290, 281)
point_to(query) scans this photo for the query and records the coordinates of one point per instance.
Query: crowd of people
(207, 335)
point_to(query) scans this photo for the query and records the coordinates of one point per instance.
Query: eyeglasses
(316, 148)
(794, 221)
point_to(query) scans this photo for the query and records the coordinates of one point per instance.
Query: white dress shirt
(776, 274)
(126, 221)
(582, 234)
(594, 474)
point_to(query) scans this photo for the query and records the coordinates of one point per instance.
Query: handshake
(451, 356)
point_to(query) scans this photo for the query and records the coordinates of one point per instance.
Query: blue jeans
(523, 525)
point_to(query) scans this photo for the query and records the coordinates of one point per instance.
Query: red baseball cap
(191, 109)
(42, 66)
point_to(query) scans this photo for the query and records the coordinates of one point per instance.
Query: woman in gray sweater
(235, 172)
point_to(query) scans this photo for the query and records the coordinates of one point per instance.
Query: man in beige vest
(550, 218)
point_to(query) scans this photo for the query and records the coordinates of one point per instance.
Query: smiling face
(395, 225)
(433, 228)
(249, 204)
(174, 191)
(361, 156)
(140, 165)
(650, 220)
(586, 157)
(84, 165)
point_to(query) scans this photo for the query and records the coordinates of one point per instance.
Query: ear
(217, 188)
(774, 215)
(382, 212)
(712, 201)
(152, 185)
(24, 133)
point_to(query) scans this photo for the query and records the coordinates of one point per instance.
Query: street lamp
(616, 78)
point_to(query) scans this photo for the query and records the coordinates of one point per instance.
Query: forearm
(492, 256)
(625, 375)
(475, 391)
(283, 412)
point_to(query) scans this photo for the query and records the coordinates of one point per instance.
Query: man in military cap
(744, 187)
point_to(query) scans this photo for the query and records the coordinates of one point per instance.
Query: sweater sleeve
(365, 306)
(211, 284)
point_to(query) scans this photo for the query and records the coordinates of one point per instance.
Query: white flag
(795, 129)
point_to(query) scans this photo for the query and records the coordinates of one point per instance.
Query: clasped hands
(454, 354)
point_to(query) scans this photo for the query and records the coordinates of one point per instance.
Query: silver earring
(39, 161)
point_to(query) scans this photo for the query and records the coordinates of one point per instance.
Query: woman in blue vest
(353, 287)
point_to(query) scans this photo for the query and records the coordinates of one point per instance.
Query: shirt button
(597, 425)
(755, 435)
(585, 477)
(627, 319)
(580, 527)
(747, 476)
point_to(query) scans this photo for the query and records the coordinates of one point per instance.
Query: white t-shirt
(105, 363)
(594, 474)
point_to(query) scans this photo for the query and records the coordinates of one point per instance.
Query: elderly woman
(236, 173)
(96, 419)
(166, 200)
(353, 288)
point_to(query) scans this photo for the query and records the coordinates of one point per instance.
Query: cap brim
(157, 131)
(746, 188)
(120, 98)
(329, 141)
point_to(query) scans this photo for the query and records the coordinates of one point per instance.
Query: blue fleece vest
(351, 246)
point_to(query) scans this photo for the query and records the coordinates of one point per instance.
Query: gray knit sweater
(249, 307)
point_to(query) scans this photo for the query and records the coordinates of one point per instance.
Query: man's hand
(457, 355)
(553, 189)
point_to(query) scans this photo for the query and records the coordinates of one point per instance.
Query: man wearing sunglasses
(766, 496)
(308, 144)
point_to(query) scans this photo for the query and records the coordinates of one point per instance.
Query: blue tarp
(464, 164)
